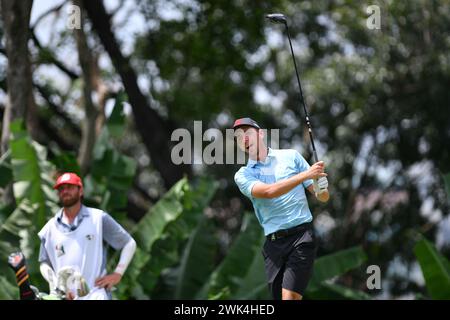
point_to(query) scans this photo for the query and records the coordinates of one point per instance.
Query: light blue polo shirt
(285, 211)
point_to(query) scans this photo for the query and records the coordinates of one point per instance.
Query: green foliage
(333, 291)
(12, 232)
(150, 229)
(33, 193)
(8, 290)
(162, 233)
(335, 264)
(65, 161)
(112, 172)
(184, 280)
(116, 121)
(176, 242)
(254, 284)
(196, 262)
(225, 281)
(204, 56)
(378, 104)
(32, 174)
(33, 177)
(435, 268)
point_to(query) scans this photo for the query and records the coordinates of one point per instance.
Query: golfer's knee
(290, 295)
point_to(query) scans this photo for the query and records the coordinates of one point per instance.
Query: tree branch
(46, 13)
(47, 96)
(52, 59)
(21, 105)
(154, 131)
(53, 135)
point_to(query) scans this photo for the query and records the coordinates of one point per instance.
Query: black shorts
(289, 260)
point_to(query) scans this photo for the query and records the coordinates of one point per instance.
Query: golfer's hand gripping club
(320, 185)
(320, 182)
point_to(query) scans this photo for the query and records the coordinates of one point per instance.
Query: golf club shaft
(302, 99)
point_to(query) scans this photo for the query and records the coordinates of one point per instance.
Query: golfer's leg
(290, 295)
(275, 287)
(298, 271)
(274, 268)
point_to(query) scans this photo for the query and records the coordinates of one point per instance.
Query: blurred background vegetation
(103, 101)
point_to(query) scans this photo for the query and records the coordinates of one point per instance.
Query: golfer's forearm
(125, 257)
(273, 190)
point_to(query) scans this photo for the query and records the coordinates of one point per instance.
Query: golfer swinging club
(275, 182)
(74, 238)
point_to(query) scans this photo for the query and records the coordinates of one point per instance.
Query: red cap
(245, 122)
(68, 178)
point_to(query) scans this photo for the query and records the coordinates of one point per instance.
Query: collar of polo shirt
(252, 163)
(80, 216)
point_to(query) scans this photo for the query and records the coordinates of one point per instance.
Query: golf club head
(276, 17)
(16, 260)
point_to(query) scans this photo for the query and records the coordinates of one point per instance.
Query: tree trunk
(154, 131)
(103, 93)
(20, 105)
(20, 101)
(88, 136)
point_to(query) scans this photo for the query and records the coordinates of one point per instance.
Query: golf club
(280, 18)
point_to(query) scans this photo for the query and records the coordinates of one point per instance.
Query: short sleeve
(43, 256)
(113, 233)
(245, 182)
(302, 165)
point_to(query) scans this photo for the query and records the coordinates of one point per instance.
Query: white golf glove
(320, 185)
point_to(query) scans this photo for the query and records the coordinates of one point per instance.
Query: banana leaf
(333, 291)
(111, 173)
(197, 260)
(162, 233)
(254, 285)
(335, 264)
(167, 251)
(8, 289)
(225, 281)
(33, 192)
(435, 268)
(111, 176)
(32, 174)
(116, 121)
(149, 229)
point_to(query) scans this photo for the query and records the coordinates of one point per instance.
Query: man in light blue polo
(275, 182)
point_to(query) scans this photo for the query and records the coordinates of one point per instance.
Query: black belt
(287, 232)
